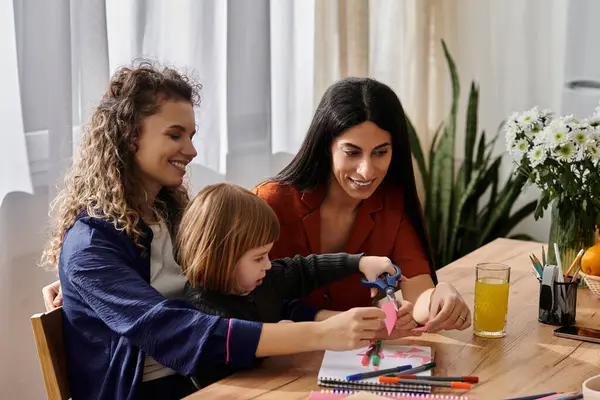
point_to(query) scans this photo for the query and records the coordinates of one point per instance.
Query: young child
(223, 242)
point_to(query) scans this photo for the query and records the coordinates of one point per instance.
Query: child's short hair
(220, 224)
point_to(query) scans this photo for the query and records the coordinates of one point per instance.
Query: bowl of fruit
(590, 268)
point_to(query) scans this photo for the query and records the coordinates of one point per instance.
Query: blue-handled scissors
(387, 283)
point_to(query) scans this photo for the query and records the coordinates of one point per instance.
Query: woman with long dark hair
(351, 188)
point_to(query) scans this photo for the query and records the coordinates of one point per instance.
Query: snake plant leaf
(431, 198)
(444, 164)
(462, 181)
(471, 128)
(480, 151)
(446, 149)
(466, 167)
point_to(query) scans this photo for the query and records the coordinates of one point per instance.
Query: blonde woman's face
(165, 146)
(252, 268)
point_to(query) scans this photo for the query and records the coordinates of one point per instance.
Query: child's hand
(285, 321)
(404, 324)
(351, 329)
(372, 267)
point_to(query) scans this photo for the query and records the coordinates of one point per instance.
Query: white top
(167, 279)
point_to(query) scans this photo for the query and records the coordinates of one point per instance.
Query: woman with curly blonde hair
(128, 333)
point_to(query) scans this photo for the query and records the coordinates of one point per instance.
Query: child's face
(252, 268)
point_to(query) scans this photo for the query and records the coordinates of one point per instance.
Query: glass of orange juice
(491, 299)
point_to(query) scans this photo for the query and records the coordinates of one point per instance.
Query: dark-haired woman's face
(361, 157)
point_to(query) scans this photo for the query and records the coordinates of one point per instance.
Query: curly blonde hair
(103, 180)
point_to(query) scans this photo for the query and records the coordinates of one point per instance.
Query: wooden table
(528, 360)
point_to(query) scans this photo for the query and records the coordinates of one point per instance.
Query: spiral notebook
(339, 364)
(348, 395)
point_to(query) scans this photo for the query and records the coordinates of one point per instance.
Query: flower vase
(569, 244)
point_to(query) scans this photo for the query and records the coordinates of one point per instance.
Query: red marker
(367, 356)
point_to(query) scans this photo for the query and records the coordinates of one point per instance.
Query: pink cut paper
(390, 316)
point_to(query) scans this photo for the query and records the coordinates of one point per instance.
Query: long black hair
(345, 104)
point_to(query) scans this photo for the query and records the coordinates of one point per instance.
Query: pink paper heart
(390, 316)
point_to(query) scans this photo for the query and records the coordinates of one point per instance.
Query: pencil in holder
(558, 305)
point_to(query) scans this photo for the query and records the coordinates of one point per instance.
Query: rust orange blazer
(380, 229)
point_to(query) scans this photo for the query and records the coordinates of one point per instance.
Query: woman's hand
(404, 324)
(447, 310)
(351, 329)
(52, 294)
(372, 267)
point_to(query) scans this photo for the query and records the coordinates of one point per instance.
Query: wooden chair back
(48, 334)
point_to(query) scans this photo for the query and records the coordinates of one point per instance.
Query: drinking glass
(491, 299)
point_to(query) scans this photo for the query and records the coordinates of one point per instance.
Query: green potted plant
(471, 207)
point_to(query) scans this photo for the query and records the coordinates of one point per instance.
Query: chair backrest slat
(48, 335)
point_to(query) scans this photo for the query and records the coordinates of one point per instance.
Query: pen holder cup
(559, 306)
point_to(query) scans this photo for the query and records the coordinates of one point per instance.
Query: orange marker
(452, 385)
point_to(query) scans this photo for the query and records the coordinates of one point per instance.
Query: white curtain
(54, 68)
(14, 165)
(293, 42)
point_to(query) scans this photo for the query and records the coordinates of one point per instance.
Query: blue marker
(372, 374)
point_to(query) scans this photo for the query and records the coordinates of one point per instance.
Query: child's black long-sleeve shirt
(274, 300)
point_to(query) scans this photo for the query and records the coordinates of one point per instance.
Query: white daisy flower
(521, 146)
(537, 155)
(565, 152)
(556, 133)
(579, 136)
(529, 118)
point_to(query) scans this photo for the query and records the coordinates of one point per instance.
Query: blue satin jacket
(113, 318)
